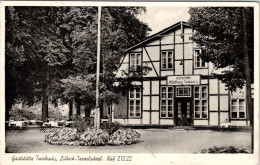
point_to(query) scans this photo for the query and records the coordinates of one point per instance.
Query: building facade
(179, 90)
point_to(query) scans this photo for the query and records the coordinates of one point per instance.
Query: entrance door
(183, 112)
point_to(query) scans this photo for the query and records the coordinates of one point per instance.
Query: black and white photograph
(129, 83)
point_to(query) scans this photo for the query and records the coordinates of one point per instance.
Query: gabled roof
(159, 33)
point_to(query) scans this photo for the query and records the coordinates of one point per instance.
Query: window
(184, 91)
(201, 102)
(198, 62)
(167, 60)
(135, 61)
(237, 105)
(135, 102)
(166, 102)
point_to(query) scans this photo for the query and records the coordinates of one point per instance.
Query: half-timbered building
(180, 89)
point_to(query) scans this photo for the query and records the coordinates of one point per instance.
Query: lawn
(153, 140)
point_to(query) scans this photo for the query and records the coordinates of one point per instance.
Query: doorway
(183, 113)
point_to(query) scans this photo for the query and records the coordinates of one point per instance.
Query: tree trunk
(249, 106)
(7, 110)
(87, 111)
(70, 108)
(44, 107)
(78, 108)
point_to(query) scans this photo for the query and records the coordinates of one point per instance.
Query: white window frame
(240, 95)
(201, 99)
(167, 99)
(135, 63)
(200, 60)
(167, 59)
(135, 99)
(182, 87)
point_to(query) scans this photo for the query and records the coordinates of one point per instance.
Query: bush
(61, 136)
(111, 127)
(81, 124)
(124, 136)
(93, 137)
(230, 149)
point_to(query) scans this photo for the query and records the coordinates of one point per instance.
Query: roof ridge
(158, 33)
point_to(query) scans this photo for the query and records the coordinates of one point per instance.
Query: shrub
(229, 149)
(111, 127)
(93, 137)
(81, 124)
(61, 136)
(124, 136)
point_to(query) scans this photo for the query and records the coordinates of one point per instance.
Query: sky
(159, 18)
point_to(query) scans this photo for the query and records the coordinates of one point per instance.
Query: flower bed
(123, 137)
(61, 136)
(91, 137)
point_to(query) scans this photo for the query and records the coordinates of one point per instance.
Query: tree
(226, 37)
(120, 29)
(42, 53)
(78, 27)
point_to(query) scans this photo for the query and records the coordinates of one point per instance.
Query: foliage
(120, 29)
(111, 127)
(57, 60)
(93, 137)
(81, 124)
(224, 150)
(219, 32)
(124, 136)
(61, 136)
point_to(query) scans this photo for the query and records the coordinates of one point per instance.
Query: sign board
(183, 80)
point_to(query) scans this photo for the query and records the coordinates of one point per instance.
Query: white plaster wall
(224, 103)
(213, 86)
(163, 82)
(154, 52)
(155, 102)
(146, 87)
(188, 67)
(146, 103)
(213, 103)
(188, 51)
(238, 123)
(152, 72)
(166, 121)
(200, 122)
(213, 121)
(204, 81)
(146, 117)
(134, 121)
(155, 42)
(179, 52)
(155, 117)
(178, 68)
(167, 47)
(201, 71)
(145, 56)
(166, 73)
(155, 87)
(224, 116)
(167, 39)
(223, 89)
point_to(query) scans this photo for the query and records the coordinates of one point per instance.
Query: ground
(154, 141)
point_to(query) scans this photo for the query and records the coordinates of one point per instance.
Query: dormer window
(135, 61)
(198, 62)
